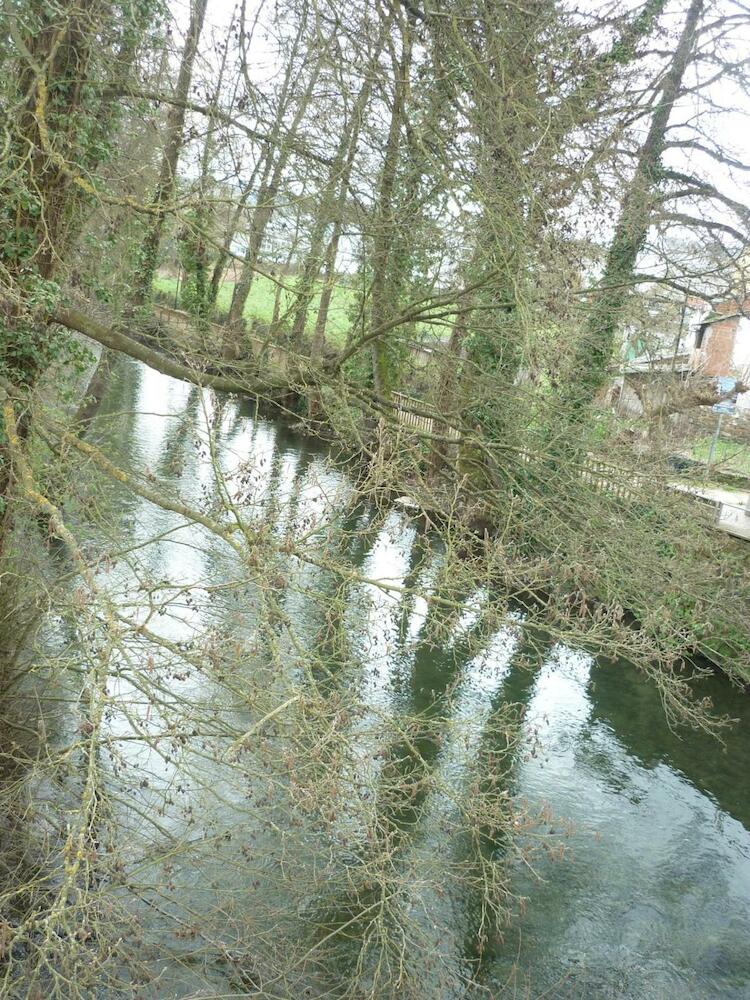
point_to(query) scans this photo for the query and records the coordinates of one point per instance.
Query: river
(645, 892)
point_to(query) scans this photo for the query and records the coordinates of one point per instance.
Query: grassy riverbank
(260, 303)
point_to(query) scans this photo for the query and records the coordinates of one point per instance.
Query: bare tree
(280, 150)
(173, 143)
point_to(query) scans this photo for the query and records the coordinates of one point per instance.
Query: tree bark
(449, 379)
(329, 283)
(167, 183)
(381, 304)
(280, 149)
(597, 344)
(222, 259)
(332, 205)
(197, 290)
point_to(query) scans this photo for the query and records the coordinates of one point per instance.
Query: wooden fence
(413, 413)
(609, 478)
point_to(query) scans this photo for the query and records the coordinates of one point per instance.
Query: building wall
(725, 349)
(741, 361)
(741, 352)
(718, 347)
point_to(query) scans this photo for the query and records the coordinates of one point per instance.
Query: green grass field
(260, 301)
(729, 456)
(261, 298)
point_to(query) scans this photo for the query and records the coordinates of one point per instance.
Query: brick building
(713, 341)
(719, 343)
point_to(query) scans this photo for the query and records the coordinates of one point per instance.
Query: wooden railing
(413, 413)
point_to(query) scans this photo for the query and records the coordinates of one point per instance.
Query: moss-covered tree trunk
(40, 197)
(597, 345)
(384, 223)
(67, 59)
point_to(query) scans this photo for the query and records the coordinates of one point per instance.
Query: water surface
(649, 896)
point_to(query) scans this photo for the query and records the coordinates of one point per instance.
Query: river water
(649, 894)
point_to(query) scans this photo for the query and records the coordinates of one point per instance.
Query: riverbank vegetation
(421, 234)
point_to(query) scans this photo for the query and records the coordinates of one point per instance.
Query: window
(700, 335)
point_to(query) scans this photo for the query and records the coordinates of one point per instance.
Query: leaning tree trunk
(167, 183)
(265, 209)
(597, 344)
(278, 150)
(225, 254)
(381, 304)
(332, 204)
(329, 206)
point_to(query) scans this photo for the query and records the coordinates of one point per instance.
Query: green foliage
(624, 47)
(20, 209)
(29, 348)
(195, 293)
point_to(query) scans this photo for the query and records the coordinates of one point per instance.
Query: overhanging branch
(242, 384)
